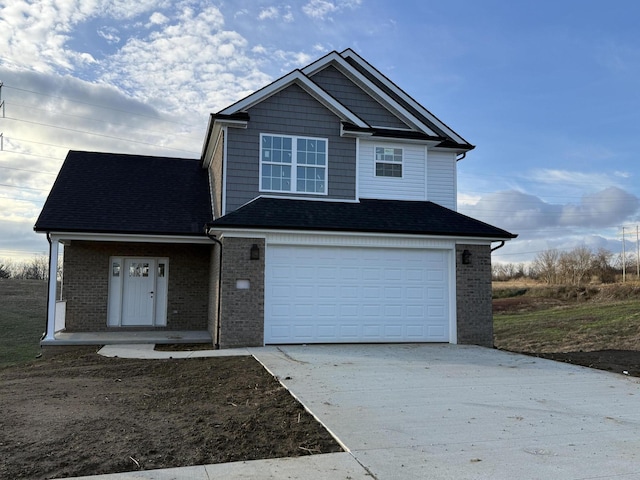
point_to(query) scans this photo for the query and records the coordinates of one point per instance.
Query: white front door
(139, 292)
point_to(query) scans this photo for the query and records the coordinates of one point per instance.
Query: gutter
(499, 246)
(219, 320)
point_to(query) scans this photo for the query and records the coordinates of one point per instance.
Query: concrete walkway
(445, 412)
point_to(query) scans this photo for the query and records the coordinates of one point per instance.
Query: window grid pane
(278, 156)
(388, 162)
(310, 179)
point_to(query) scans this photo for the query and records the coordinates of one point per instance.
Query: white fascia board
(402, 94)
(428, 143)
(307, 199)
(114, 237)
(207, 143)
(261, 233)
(371, 88)
(308, 86)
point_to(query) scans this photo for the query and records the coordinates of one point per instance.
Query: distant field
(542, 319)
(23, 307)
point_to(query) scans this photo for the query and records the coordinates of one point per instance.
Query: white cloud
(569, 177)
(516, 211)
(288, 16)
(322, 9)
(157, 18)
(180, 70)
(268, 13)
(275, 13)
(109, 33)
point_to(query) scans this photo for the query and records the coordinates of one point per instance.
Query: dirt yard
(82, 414)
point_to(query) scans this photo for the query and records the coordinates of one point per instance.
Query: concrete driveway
(462, 412)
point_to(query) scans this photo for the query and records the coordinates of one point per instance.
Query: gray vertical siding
(289, 112)
(356, 99)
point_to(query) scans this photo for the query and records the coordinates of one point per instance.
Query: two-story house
(322, 210)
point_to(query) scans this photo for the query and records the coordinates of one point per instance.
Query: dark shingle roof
(117, 193)
(375, 216)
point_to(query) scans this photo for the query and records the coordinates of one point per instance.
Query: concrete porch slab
(129, 337)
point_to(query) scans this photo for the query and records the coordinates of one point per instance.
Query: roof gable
(129, 194)
(418, 119)
(357, 99)
(307, 85)
(370, 87)
(400, 95)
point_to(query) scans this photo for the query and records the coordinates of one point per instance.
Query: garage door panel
(349, 292)
(349, 332)
(415, 293)
(330, 294)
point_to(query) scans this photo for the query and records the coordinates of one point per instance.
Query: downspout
(219, 320)
(499, 246)
(464, 154)
(46, 325)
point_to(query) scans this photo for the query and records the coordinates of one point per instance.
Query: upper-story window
(293, 164)
(388, 162)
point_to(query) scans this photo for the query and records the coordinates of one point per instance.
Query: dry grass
(22, 319)
(563, 319)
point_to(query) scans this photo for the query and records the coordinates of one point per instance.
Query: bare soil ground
(82, 414)
(626, 362)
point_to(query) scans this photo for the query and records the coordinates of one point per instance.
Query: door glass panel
(116, 269)
(160, 270)
(139, 269)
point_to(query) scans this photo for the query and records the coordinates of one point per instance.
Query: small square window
(388, 162)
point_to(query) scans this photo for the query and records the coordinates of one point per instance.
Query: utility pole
(624, 260)
(637, 255)
(2, 107)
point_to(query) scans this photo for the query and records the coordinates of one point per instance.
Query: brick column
(242, 309)
(473, 296)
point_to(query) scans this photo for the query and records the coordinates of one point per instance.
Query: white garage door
(331, 294)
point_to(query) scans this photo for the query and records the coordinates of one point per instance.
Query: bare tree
(4, 271)
(601, 265)
(575, 265)
(545, 265)
(35, 269)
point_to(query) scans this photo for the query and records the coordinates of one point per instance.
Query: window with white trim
(388, 162)
(293, 164)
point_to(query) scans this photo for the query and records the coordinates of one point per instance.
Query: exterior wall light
(254, 253)
(466, 257)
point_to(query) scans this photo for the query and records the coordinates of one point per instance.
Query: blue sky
(547, 90)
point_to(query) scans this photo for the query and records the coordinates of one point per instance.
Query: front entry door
(139, 292)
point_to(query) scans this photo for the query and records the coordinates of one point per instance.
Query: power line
(16, 199)
(30, 171)
(129, 112)
(155, 132)
(100, 135)
(33, 155)
(23, 188)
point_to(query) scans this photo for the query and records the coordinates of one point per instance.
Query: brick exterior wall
(86, 283)
(242, 311)
(473, 296)
(214, 281)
